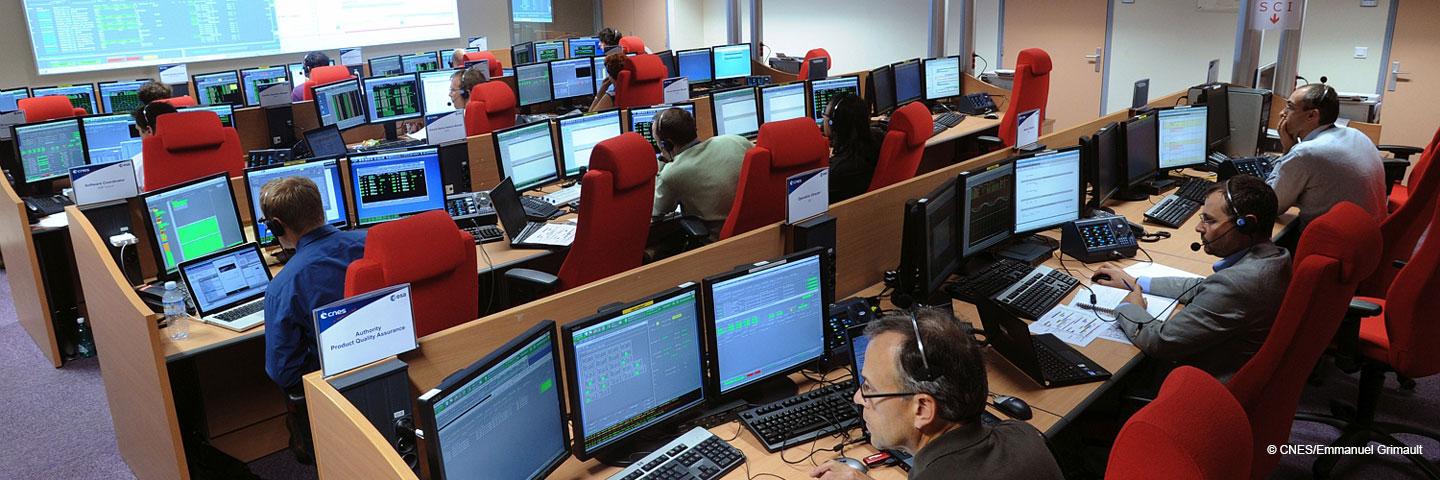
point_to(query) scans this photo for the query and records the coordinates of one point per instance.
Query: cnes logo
(332, 314)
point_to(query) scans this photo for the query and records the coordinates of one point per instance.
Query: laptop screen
(858, 342)
(509, 208)
(225, 279)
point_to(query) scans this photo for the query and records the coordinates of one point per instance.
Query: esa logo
(332, 314)
(399, 295)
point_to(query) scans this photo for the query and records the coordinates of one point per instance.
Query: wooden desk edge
(346, 445)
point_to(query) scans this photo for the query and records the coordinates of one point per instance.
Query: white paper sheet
(1107, 299)
(1157, 270)
(1075, 326)
(557, 234)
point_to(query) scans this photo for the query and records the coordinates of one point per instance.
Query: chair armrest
(693, 228)
(532, 279)
(1394, 171)
(988, 139)
(1401, 151)
(1360, 309)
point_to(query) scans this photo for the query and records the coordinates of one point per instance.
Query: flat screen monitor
(1106, 155)
(120, 97)
(219, 87)
(297, 74)
(821, 91)
(694, 65)
(533, 83)
(1141, 149)
(386, 66)
(908, 85)
(47, 150)
(110, 138)
(882, 89)
(930, 246)
(254, 79)
(325, 142)
(579, 135)
(731, 61)
(340, 104)
(526, 154)
(435, 88)
(523, 53)
(942, 78)
(642, 119)
(1049, 191)
(420, 62)
(393, 185)
(766, 320)
(986, 205)
(10, 98)
(668, 59)
(501, 417)
(585, 47)
(734, 112)
(1182, 137)
(551, 50)
(192, 219)
(325, 174)
(633, 367)
(572, 78)
(1217, 118)
(782, 102)
(392, 98)
(597, 64)
(225, 111)
(81, 96)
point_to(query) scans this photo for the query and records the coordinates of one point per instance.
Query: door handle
(1395, 74)
(1099, 52)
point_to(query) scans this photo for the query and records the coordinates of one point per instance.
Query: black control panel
(1098, 239)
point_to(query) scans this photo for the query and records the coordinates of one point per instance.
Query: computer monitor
(393, 185)
(733, 112)
(695, 66)
(821, 91)
(1182, 137)
(731, 61)
(942, 78)
(585, 47)
(1049, 190)
(120, 97)
(192, 219)
(254, 79)
(766, 320)
(1141, 149)
(632, 367)
(110, 138)
(297, 74)
(340, 104)
(526, 154)
(47, 150)
(882, 89)
(420, 62)
(501, 417)
(219, 87)
(572, 78)
(986, 206)
(1104, 154)
(1216, 98)
(533, 83)
(522, 53)
(81, 96)
(929, 246)
(396, 97)
(782, 102)
(642, 119)
(551, 50)
(225, 111)
(10, 98)
(597, 65)
(1265, 76)
(386, 66)
(579, 135)
(435, 88)
(325, 142)
(667, 58)
(326, 175)
(908, 84)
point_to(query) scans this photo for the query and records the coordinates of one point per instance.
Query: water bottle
(84, 341)
(174, 301)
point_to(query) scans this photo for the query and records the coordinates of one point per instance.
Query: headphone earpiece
(276, 228)
(1243, 223)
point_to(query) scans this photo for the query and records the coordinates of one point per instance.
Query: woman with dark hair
(605, 97)
(854, 145)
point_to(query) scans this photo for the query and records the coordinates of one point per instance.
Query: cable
(738, 427)
(1148, 259)
(758, 475)
(1032, 407)
(987, 62)
(123, 271)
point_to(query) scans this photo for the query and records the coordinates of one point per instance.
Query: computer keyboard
(1172, 211)
(1057, 368)
(945, 121)
(40, 207)
(987, 282)
(1038, 292)
(564, 196)
(698, 454)
(804, 417)
(538, 208)
(1194, 189)
(485, 233)
(241, 311)
(391, 145)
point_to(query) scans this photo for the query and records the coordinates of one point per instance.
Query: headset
(1244, 223)
(469, 75)
(276, 228)
(926, 375)
(665, 145)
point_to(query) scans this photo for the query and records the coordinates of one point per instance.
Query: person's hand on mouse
(1120, 279)
(833, 470)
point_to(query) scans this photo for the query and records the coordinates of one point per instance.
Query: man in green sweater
(699, 175)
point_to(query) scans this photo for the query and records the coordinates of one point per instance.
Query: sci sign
(1277, 14)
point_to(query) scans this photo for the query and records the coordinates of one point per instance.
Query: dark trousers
(297, 420)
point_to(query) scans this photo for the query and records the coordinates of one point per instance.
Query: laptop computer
(1046, 359)
(523, 232)
(228, 287)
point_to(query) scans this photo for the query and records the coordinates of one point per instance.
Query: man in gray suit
(1228, 314)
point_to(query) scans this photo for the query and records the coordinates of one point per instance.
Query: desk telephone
(976, 104)
(1099, 239)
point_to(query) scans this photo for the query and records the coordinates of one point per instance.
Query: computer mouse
(853, 463)
(1099, 277)
(1013, 407)
(992, 116)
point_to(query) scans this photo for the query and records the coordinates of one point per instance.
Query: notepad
(1107, 299)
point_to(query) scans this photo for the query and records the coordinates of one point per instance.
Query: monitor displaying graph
(193, 219)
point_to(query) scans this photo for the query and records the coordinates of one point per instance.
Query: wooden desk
(22, 270)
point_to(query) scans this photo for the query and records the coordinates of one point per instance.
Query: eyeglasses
(867, 395)
(925, 375)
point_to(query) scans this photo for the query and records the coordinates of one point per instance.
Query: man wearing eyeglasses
(924, 396)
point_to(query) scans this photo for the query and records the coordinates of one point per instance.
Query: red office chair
(181, 101)
(632, 44)
(639, 83)
(616, 196)
(491, 107)
(784, 148)
(434, 257)
(813, 54)
(1404, 226)
(323, 75)
(190, 145)
(49, 107)
(904, 144)
(1395, 168)
(1030, 90)
(1193, 430)
(497, 69)
(1337, 250)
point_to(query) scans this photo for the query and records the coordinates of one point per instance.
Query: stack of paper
(1081, 322)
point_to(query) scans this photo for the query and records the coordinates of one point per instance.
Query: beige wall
(1167, 41)
(687, 24)
(1333, 28)
(641, 18)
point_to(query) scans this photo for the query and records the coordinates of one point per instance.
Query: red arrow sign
(1275, 18)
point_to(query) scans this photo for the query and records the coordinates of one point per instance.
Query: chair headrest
(793, 142)
(181, 131)
(496, 68)
(647, 68)
(914, 121)
(328, 74)
(632, 44)
(1037, 59)
(629, 158)
(498, 96)
(181, 101)
(416, 248)
(1347, 234)
(818, 53)
(49, 107)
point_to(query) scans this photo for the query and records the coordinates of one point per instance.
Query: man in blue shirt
(314, 277)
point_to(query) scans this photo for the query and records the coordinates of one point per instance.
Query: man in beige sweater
(698, 175)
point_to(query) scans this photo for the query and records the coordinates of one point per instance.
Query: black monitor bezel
(354, 197)
(549, 83)
(963, 180)
(709, 56)
(561, 155)
(419, 99)
(1160, 169)
(370, 64)
(874, 99)
(628, 122)
(100, 93)
(256, 215)
(529, 47)
(161, 271)
(440, 63)
(570, 48)
(760, 99)
(918, 277)
(245, 93)
(816, 110)
(315, 103)
(94, 93)
(895, 82)
(1015, 188)
(589, 62)
(715, 110)
(500, 154)
(925, 84)
(1132, 181)
(1096, 162)
(15, 144)
(1212, 114)
(238, 84)
(564, 49)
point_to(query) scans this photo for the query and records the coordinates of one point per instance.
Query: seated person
(1324, 163)
(145, 122)
(699, 175)
(1228, 314)
(314, 277)
(605, 98)
(461, 82)
(152, 90)
(938, 420)
(610, 40)
(854, 145)
(312, 60)
(457, 58)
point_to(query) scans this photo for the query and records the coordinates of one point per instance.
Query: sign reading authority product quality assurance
(364, 328)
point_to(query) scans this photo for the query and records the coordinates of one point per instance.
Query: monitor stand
(1164, 182)
(1133, 194)
(1032, 249)
(633, 449)
(391, 131)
